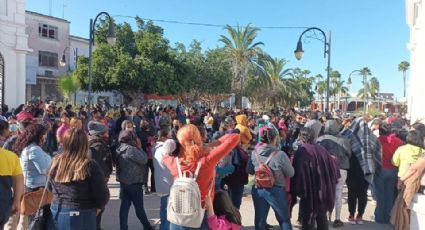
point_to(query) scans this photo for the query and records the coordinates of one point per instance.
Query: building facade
(415, 17)
(48, 38)
(13, 50)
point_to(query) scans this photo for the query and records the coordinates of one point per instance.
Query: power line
(209, 24)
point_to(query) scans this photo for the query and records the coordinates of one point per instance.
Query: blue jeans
(275, 197)
(204, 225)
(132, 193)
(73, 218)
(385, 187)
(236, 194)
(165, 224)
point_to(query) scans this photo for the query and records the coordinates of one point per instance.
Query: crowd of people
(286, 157)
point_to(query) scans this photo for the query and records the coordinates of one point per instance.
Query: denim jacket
(35, 163)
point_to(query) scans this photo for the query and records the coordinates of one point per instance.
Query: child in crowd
(222, 214)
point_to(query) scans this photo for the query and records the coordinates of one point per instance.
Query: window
(48, 73)
(415, 13)
(47, 59)
(47, 31)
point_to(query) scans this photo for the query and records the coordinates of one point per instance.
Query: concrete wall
(415, 17)
(13, 48)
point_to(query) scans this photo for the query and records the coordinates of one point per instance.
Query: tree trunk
(404, 83)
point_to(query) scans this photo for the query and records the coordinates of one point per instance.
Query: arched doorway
(1, 80)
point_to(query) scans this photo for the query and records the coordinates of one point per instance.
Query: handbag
(40, 220)
(32, 201)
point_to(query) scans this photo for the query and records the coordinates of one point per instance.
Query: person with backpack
(315, 179)
(193, 171)
(222, 214)
(270, 166)
(99, 151)
(131, 169)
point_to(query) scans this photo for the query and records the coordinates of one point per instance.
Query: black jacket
(99, 151)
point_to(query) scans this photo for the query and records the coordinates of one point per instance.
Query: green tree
(403, 67)
(140, 62)
(67, 85)
(242, 49)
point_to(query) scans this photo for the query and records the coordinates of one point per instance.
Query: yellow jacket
(405, 156)
(242, 122)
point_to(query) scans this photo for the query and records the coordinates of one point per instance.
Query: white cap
(266, 117)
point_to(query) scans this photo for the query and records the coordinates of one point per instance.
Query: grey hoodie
(279, 164)
(336, 144)
(131, 164)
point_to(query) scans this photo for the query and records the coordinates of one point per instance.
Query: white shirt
(163, 177)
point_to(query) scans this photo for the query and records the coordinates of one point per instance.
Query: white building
(48, 38)
(13, 49)
(415, 16)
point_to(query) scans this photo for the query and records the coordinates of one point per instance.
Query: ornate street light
(111, 39)
(299, 53)
(364, 88)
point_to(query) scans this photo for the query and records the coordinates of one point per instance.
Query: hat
(229, 120)
(169, 146)
(25, 116)
(97, 128)
(266, 117)
(127, 136)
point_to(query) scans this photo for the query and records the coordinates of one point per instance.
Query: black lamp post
(111, 41)
(364, 88)
(299, 52)
(62, 63)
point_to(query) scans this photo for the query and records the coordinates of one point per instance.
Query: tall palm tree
(321, 87)
(242, 48)
(335, 77)
(404, 66)
(279, 87)
(338, 89)
(365, 71)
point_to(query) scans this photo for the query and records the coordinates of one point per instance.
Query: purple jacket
(315, 179)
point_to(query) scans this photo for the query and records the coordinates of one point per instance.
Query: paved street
(111, 219)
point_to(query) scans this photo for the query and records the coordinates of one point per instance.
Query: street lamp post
(62, 63)
(364, 88)
(299, 52)
(111, 39)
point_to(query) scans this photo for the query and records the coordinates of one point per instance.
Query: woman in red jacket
(191, 151)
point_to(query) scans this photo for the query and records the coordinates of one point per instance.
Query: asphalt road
(110, 220)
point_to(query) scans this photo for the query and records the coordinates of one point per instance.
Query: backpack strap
(198, 167)
(268, 159)
(179, 169)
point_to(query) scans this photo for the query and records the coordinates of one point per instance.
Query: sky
(365, 33)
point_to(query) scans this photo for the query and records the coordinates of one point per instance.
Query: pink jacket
(220, 223)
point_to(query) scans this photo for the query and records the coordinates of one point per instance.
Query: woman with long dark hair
(78, 184)
(34, 161)
(222, 214)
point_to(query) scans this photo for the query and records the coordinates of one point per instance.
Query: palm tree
(404, 66)
(335, 77)
(374, 87)
(321, 89)
(339, 89)
(272, 70)
(242, 51)
(365, 71)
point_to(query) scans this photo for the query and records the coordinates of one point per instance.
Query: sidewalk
(111, 216)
